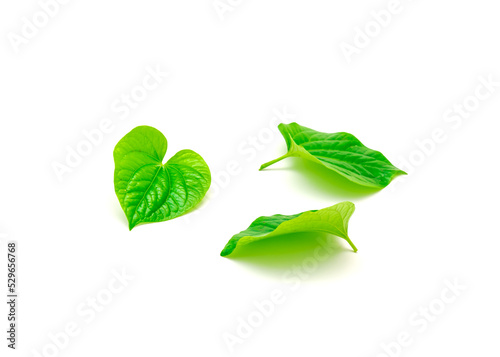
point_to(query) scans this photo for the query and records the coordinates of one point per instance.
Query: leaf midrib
(147, 190)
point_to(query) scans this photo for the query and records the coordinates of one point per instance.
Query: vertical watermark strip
(12, 294)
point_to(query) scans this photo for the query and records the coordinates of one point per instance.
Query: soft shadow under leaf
(282, 252)
(322, 180)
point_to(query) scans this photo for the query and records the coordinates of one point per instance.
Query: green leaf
(150, 191)
(332, 220)
(340, 152)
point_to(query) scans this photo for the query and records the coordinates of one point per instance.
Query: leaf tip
(228, 249)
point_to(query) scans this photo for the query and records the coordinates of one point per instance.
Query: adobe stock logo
(247, 151)
(420, 320)
(122, 107)
(31, 26)
(222, 7)
(85, 314)
(364, 35)
(454, 118)
(292, 280)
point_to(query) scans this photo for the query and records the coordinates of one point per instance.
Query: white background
(228, 78)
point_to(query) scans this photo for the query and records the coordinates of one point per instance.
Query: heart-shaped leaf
(332, 220)
(340, 152)
(150, 191)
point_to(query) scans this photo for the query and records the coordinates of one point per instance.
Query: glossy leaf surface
(340, 152)
(333, 220)
(150, 191)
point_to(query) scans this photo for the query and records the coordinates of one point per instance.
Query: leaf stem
(263, 166)
(352, 245)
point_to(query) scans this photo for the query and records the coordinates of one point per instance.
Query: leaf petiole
(263, 166)
(351, 244)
